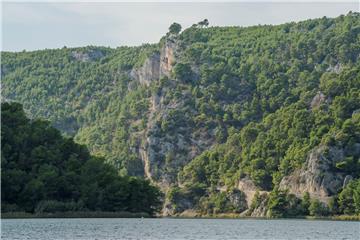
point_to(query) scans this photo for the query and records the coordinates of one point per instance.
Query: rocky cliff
(318, 177)
(164, 148)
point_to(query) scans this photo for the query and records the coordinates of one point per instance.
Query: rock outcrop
(261, 210)
(149, 71)
(248, 187)
(158, 65)
(335, 69)
(162, 152)
(317, 177)
(87, 56)
(317, 100)
(167, 57)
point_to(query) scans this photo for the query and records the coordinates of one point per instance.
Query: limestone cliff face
(158, 65)
(167, 149)
(167, 57)
(155, 67)
(149, 72)
(317, 177)
(165, 152)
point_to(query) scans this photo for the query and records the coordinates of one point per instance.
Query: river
(172, 229)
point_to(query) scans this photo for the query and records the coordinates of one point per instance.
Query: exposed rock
(182, 143)
(261, 209)
(145, 159)
(318, 99)
(248, 187)
(87, 56)
(347, 179)
(157, 65)
(317, 176)
(149, 71)
(335, 69)
(167, 210)
(189, 213)
(238, 200)
(152, 151)
(167, 57)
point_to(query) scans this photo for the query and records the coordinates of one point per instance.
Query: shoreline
(95, 214)
(310, 218)
(99, 214)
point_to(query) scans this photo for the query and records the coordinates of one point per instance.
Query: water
(172, 229)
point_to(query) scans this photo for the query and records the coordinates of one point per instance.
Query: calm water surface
(170, 229)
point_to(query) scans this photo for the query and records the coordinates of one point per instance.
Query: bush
(318, 208)
(183, 72)
(349, 198)
(282, 204)
(175, 28)
(53, 206)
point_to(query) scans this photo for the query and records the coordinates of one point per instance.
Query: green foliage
(175, 28)
(223, 202)
(265, 88)
(183, 72)
(45, 172)
(349, 198)
(305, 203)
(53, 206)
(203, 23)
(86, 98)
(282, 204)
(318, 208)
(249, 95)
(257, 200)
(186, 197)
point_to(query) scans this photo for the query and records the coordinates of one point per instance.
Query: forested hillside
(262, 120)
(42, 172)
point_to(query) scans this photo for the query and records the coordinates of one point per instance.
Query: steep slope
(213, 115)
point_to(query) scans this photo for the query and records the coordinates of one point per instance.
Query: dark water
(171, 229)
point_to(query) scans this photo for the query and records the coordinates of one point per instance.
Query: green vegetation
(349, 198)
(86, 99)
(77, 214)
(175, 28)
(43, 172)
(269, 102)
(253, 102)
(261, 93)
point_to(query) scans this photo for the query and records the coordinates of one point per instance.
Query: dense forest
(209, 111)
(43, 172)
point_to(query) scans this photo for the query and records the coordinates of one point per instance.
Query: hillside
(43, 172)
(262, 120)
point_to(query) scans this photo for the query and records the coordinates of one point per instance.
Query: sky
(40, 25)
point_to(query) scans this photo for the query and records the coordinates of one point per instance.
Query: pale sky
(43, 25)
